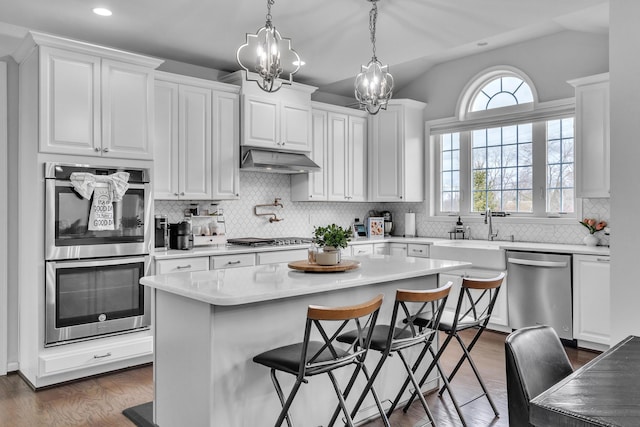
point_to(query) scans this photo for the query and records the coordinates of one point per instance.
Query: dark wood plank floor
(99, 401)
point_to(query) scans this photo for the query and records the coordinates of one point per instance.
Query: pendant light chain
(269, 4)
(373, 17)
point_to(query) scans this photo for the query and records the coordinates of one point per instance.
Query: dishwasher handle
(535, 263)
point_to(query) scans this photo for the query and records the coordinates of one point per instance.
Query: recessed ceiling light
(102, 11)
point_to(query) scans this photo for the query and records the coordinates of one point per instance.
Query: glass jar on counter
(312, 252)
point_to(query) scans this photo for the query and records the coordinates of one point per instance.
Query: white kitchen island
(209, 325)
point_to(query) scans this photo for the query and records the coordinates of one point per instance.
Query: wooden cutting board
(304, 265)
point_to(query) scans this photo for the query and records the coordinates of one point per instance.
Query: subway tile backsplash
(299, 218)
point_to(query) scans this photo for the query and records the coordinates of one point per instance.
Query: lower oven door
(90, 298)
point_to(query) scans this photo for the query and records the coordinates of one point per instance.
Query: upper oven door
(67, 223)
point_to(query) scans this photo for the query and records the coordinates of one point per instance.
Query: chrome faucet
(487, 220)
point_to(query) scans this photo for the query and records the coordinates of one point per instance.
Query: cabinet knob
(175, 194)
(106, 150)
(182, 193)
(96, 149)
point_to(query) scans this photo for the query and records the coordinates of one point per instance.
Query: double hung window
(507, 157)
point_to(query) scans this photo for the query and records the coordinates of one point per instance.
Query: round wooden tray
(304, 265)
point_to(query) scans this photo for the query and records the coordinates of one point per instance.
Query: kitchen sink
(481, 253)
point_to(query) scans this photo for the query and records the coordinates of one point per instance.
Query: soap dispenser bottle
(459, 225)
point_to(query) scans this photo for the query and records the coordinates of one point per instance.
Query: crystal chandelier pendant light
(268, 58)
(374, 84)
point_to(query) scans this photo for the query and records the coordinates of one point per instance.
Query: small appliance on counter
(161, 232)
(388, 223)
(180, 236)
(210, 229)
(359, 230)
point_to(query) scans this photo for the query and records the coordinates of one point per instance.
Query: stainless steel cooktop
(269, 241)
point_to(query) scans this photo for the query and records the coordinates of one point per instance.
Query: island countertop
(237, 286)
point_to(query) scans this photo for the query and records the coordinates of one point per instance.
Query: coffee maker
(161, 232)
(388, 223)
(180, 236)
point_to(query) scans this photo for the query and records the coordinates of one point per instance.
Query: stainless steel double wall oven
(92, 276)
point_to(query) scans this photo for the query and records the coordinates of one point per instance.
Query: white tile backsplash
(299, 218)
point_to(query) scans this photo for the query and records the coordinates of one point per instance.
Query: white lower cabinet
(232, 261)
(64, 359)
(381, 248)
(499, 318)
(591, 301)
(418, 250)
(281, 256)
(365, 249)
(399, 249)
(164, 266)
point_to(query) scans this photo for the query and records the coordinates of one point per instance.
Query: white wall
(625, 174)
(549, 61)
(3, 218)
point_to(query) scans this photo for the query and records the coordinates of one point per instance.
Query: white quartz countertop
(244, 285)
(499, 244)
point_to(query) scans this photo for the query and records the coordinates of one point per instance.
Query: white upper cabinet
(225, 146)
(339, 147)
(356, 171)
(196, 139)
(279, 120)
(592, 146)
(313, 186)
(275, 122)
(93, 101)
(396, 153)
(127, 110)
(69, 102)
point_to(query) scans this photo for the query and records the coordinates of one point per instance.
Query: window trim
(549, 110)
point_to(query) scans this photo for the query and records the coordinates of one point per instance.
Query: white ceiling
(331, 36)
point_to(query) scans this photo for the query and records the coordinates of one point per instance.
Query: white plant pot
(591, 240)
(328, 256)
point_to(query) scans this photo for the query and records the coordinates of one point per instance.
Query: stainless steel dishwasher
(539, 291)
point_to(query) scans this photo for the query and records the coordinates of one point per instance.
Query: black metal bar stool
(475, 304)
(402, 333)
(313, 357)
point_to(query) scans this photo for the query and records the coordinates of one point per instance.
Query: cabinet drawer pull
(602, 259)
(233, 262)
(182, 267)
(101, 356)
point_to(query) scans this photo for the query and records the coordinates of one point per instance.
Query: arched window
(497, 91)
(500, 92)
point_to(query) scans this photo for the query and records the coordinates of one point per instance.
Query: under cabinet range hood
(258, 160)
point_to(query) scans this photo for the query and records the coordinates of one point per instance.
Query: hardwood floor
(99, 401)
(95, 402)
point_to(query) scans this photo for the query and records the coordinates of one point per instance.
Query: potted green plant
(331, 239)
